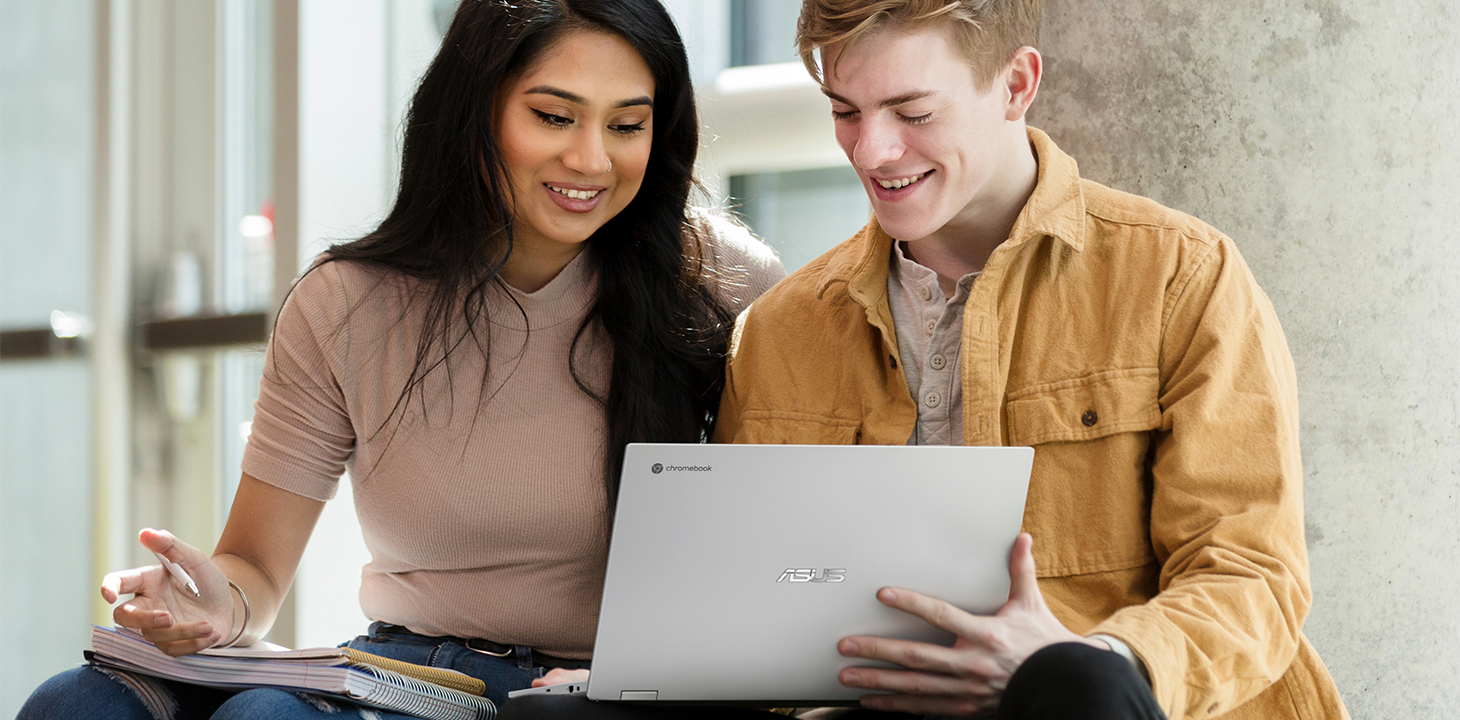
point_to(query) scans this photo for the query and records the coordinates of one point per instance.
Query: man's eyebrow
(889, 102)
(573, 97)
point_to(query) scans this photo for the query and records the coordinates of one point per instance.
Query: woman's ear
(1021, 78)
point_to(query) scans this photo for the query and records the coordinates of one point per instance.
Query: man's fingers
(1023, 583)
(938, 613)
(910, 682)
(908, 654)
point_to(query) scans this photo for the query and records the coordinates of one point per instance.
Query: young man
(997, 299)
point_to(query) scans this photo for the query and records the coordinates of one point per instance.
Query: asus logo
(801, 575)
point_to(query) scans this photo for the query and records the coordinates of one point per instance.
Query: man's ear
(1022, 77)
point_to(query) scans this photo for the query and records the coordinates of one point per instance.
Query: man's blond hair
(987, 32)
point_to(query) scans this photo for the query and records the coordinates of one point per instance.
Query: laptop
(733, 570)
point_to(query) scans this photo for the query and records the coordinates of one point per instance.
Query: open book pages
(340, 676)
(350, 656)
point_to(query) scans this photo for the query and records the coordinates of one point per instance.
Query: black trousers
(1068, 681)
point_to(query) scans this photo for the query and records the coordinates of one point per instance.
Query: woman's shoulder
(336, 292)
(740, 264)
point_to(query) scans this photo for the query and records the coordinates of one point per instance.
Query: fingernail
(164, 620)
(889, 595)
(848, 647)
(851, 677)
(205, 630)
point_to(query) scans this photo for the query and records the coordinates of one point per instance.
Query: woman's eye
(916, 119)
(552, 120)
(627, 128)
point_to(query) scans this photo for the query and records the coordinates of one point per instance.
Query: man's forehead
(893, 67)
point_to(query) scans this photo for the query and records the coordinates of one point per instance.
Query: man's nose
(878, 144)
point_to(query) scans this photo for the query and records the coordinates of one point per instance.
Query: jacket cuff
(1119, 647)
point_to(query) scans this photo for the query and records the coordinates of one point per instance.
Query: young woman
(538, 297)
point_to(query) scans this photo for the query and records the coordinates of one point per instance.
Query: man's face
(928, 143)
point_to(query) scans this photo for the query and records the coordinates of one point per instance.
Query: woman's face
(575, 133)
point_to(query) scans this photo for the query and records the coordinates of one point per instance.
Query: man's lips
(897, 188)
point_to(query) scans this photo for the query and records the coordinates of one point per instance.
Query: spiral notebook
(324, 670)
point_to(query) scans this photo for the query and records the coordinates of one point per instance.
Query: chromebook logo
(657, 468)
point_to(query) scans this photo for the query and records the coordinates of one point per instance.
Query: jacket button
(932, 399)
(1089, 418)
(937, 361)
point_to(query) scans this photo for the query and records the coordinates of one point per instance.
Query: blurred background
(168, 166)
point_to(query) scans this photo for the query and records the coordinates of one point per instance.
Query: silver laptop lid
(734, 569)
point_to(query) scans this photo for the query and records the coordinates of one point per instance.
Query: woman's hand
(165, 612)
(560, 675)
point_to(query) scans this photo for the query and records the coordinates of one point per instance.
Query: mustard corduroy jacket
(1130, 346)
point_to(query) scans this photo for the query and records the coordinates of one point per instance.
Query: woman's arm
(261, 546)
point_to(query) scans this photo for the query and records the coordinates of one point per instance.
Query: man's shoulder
(1113, 214)
(821, 282)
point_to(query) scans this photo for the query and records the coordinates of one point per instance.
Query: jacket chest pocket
(777, 427)
(1089, 500)
(1086, 408)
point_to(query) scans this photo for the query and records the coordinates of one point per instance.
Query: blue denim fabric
(84, 692)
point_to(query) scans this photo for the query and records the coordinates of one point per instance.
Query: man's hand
(968, 678)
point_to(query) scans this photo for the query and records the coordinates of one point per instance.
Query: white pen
(181, 575)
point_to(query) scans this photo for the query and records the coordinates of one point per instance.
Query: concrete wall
(1322, 136)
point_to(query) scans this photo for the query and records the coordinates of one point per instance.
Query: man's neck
(964, 245)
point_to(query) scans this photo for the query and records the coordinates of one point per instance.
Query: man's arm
(1227, 512)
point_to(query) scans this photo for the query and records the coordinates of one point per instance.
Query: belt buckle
(504, 653)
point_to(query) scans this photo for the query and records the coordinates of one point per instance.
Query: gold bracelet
(246, 615)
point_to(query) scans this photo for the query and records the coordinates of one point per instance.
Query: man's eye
(552, 120)
(843, 114)
(916, 119)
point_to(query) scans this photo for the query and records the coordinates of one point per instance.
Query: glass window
(801, 213)
(763, 32)
(47, 170)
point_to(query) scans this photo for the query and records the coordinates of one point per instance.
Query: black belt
(496, 649)
(487, 647)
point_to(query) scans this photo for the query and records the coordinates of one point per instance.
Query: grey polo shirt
(929, 341)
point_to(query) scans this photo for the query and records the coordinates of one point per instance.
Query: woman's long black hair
(451, 225)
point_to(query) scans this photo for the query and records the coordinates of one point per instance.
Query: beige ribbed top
(484, 509)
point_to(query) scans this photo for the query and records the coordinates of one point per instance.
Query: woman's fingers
(123, 582)
(185, 639)
(167, 545)
(561, 675)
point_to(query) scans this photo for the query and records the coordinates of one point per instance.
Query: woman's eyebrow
(573, 97)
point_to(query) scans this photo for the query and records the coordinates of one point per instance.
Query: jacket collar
(1056, 209)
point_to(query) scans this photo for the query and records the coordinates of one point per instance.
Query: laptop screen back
(734, 569)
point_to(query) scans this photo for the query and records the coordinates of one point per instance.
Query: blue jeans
(86, 692)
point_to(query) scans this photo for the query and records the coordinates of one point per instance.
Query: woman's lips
(575, 198)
